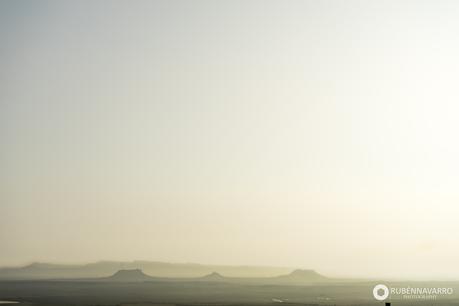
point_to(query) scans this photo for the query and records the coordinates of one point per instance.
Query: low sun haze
(309, 134)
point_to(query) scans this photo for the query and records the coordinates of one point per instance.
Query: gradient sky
(314, 134)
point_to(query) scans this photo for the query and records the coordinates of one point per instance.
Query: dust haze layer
(156, 269)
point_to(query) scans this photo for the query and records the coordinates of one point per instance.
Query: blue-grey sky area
(314, 134)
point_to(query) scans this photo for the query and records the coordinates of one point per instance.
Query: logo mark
(381, 292)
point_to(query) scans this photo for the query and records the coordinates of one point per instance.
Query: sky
(311, 134)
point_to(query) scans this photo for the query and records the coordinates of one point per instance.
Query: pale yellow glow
(310, 134)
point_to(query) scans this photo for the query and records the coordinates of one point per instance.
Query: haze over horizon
(314, 134)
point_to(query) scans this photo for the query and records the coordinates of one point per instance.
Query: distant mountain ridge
(156, 269)
(134, 275)
(295, 277)
(213, 277)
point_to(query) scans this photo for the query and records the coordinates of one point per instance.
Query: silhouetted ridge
(132, 275)
(214, 276)
(157, 269)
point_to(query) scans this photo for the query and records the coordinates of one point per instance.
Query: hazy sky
(314, 134)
